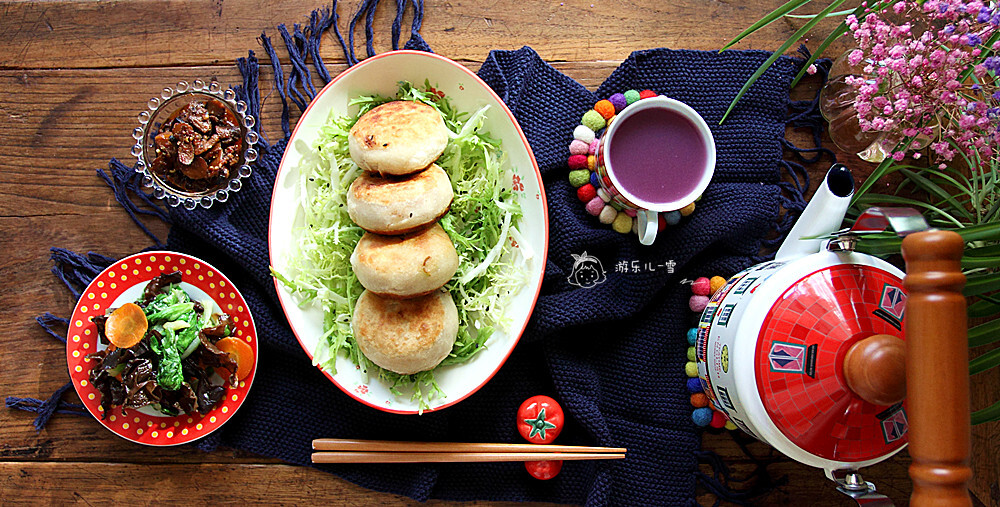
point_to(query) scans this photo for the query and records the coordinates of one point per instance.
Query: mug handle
(648, 224)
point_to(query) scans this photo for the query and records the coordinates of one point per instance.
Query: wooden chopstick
(452, 457)
(343, 444)
(387, 451)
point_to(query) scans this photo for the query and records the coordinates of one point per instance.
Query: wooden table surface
(73, 75)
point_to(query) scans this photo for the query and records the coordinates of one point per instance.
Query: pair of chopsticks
(335, 450)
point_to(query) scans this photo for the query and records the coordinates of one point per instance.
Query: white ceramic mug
(647, 210)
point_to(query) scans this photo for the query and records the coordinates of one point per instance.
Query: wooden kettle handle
(937, 369)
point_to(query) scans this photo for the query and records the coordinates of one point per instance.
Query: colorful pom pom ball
(578, 147)
(691, 369)
(592, 147)
(698, 303)
(694, 385)
(595, 180)
(619, 101)
(605, 108)
(672, 217)
(718, 420)
(579, 177)
(702, 287)
(687, 210)
(702, 416)
(717, 283)
(622, 223)
(699, 400)
(584, 133)
(631, 96)
(607, 215)
(595, 206)
(586, 193)
(645, 94)
(690, 354)
(692, 336)
(577, 162)
(593, 120)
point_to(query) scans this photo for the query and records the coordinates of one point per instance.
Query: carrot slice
(240, 351)
(126, 326)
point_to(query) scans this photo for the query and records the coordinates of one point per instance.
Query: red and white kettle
(806, 352)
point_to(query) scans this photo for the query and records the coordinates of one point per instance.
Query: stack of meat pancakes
(403, 321)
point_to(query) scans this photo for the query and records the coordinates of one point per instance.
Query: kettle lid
(800, 354)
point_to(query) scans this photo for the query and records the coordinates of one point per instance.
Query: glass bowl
(163, 109)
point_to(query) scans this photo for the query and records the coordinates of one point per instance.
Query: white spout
(824, 214)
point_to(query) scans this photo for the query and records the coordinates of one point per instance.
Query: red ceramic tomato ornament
(543, 470)
(540, 419)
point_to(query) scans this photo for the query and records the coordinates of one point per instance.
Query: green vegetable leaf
(170, 375)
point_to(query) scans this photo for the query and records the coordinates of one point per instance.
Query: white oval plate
(380, 75)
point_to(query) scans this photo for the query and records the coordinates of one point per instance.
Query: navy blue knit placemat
(612, 354)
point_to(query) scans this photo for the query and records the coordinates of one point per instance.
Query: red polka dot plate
(123, 282)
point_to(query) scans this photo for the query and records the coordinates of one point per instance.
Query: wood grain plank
(208, 484)
(113, 482)
(75, 33)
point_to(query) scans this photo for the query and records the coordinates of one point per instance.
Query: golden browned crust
(405, 266)
(405, 335)
(399, 137)
(398, 205)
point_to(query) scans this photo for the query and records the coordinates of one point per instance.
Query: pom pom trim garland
(703, 413)
(586, 134)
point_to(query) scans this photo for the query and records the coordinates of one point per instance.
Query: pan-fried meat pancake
(400, 137)
(405, 266)
(406, 335)
(397, 205)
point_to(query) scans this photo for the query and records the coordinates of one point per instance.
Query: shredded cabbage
(482, 224)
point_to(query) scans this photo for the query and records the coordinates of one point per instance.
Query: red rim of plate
(541, 190)
(82, 340)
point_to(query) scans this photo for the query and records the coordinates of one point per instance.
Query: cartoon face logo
(587, 271)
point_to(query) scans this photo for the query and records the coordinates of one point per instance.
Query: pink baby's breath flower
(915, 83)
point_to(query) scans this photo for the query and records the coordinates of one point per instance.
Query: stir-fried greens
(171, 366)
(482, 224)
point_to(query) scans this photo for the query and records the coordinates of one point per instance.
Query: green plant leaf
(885, 167)
(984, 334)
(988, 414)
(781, 50)
(982, 232)
(980, 262)
(810, 16)
(841, 29)
(905, 201)
(935, 190)
(983, 251)
(771, 17)
(981, 284)
(834, 35)
(983, 308)
(984, 362)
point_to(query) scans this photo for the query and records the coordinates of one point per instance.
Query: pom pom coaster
(703, 413)
(582, 163)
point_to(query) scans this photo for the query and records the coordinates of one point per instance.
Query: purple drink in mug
(657, 155)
